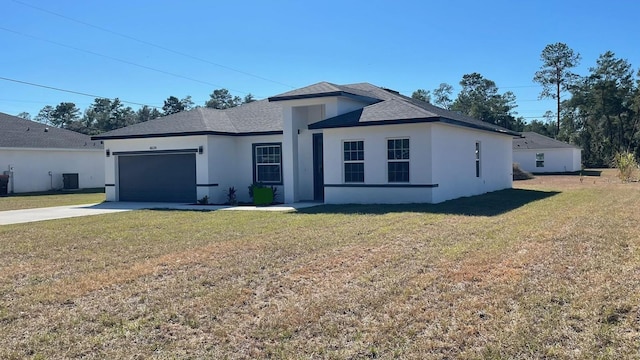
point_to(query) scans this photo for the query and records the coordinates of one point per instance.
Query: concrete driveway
(62, 212)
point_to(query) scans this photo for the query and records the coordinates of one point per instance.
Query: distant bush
(519, 174)
(626, 164)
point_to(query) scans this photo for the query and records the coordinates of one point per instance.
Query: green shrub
(626, 164)
(232, 198)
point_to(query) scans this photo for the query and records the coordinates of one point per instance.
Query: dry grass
(52, 198)
(549, 270)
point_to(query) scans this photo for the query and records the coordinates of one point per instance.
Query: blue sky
(269, 47)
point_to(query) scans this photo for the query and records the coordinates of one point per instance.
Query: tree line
(110, 114)
(598, 111)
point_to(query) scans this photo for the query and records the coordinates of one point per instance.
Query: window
(267, 159)
(477, 159)
(353, 161)
(539, 159)
(398, 160)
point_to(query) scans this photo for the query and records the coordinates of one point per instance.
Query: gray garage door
(158, 178)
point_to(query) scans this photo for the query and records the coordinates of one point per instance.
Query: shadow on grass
(491, 204)
(574, 173)
(60, 192)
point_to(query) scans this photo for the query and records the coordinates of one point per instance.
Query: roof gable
(325, 89)
(16, 132)
(384, 112)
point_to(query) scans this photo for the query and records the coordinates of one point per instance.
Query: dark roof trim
(480, 127)
(318, 125)
(194, 133)
(156, 152)
(321, 95)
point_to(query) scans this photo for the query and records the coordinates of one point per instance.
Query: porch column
(289, 156)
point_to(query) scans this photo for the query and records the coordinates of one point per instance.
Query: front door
(318, 171)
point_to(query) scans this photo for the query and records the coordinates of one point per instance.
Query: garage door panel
(167, 177)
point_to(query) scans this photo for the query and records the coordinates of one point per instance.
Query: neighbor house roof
(16, 132)
(535, 141)
(381, 107)
(258, 117)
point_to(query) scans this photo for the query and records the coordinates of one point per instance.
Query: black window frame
(353, 161)
(255, 163)
(478, 158)
(540, 160)
(399, 160)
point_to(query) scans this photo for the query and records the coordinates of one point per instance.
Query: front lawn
(51, 198)
(548, 270)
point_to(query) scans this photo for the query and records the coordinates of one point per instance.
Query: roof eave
(319, 125)
(180, 134)
(322, 95)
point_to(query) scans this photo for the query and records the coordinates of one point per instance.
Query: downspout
(11, 179)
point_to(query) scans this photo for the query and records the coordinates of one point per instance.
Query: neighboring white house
(537, 153)
(331, 143)
(38, 157)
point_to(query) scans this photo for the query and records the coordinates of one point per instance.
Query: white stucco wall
(555, 160)
(454, 162)
(31, 168)
(220, 159)
(298, 141)
(346, 105)
(243, 170)
(440, 154)
(226, 161)
(377, 189)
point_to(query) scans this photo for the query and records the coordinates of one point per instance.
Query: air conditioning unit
(70, 181)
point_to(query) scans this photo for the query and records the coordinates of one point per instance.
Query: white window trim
(258, 164)
(344, 180)
(408, 161)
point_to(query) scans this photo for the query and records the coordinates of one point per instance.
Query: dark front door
(318, 171)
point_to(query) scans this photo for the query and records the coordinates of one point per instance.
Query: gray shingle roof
(323, 89)
(253, 118)
(535, 141)
(16, 132)
(265, 116)
(396, 108)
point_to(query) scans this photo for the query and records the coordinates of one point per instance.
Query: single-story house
(39, 157)
(329, 143)
(537, 153)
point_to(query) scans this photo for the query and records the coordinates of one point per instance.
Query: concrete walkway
(62, 212)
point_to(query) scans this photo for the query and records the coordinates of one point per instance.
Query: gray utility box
(4, 185)
(70, 181)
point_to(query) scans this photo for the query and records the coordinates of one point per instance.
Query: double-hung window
(267, 163)
(539, 159)
(398, 160)
(353, 161)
